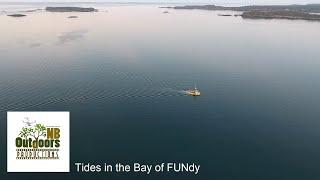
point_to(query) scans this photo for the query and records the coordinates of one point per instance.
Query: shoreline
(292, 12)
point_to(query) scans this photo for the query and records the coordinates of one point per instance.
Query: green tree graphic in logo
(35, 132)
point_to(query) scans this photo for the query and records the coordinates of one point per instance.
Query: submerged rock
(72, 17)
(16, 15)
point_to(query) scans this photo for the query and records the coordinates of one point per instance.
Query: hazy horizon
(231, 2)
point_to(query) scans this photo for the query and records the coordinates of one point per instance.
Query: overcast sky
(185, 1)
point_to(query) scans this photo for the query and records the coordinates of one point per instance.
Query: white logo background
(14, 125)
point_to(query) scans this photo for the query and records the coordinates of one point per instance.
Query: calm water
(121, 72)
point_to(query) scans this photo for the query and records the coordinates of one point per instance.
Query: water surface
(121, 72)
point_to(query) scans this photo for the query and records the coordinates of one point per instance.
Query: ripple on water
(107, 85)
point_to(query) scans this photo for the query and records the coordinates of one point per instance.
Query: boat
(194, 92)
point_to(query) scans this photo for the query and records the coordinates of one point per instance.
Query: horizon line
(144, 2)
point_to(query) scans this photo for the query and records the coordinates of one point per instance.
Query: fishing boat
(194, 92)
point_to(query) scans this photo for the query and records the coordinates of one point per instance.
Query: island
(70, 9)
(280, 15)
(16, 15)
(303, 12)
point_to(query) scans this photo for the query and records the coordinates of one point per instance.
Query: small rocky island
(224, 14)
(16, 15)
(303, 12)
(70, 9)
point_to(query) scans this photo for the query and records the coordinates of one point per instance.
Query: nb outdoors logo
(36, 141)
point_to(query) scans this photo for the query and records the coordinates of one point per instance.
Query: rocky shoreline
(292, 15)
(293, 12)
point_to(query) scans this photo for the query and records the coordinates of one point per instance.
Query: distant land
(70, 9)
(310, 8)
(280, 15)
(304, 12)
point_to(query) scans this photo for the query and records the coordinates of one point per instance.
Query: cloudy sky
(185, 1)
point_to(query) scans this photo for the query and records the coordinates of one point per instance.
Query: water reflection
(72, 36)
(32, 45)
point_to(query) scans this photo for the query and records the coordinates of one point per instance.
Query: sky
(185, 1)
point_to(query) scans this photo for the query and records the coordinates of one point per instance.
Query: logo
(38, 142)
